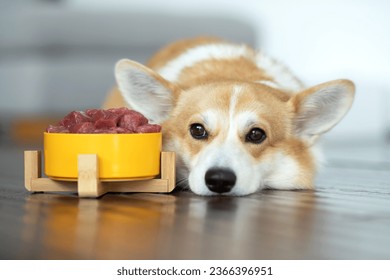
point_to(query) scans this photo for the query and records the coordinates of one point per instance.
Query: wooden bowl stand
(88, 183)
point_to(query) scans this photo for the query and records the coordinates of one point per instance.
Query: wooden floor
(347, 217)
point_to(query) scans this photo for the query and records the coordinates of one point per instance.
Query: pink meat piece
(116, 120)
(106, 119)
(112, 130)
(132, 120)
(119, 111)
(122, 130)
(57, 129)
(95, 114)
(73, 118)
(108, 122)
(105, 131)
(148, 128)
(85, 127)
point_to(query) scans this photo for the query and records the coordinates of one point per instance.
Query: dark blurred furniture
(55, 59)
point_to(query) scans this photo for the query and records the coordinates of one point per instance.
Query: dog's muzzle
(220, 180)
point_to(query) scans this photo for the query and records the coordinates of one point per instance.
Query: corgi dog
(238, 120)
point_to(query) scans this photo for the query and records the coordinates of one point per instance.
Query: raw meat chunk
(148, 128)
(85, 127)
(57, 129)
(116, 120)
(131, 120)
(73, 118)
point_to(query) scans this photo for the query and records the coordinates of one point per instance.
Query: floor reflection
(114, 227)
(179, 226)
(258, 226)
(347, 217)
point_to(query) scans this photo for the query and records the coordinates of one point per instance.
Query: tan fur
(174, 49)
(205, 72)
(221, 71)
(277, 115)
(208, 85)
(114, 100)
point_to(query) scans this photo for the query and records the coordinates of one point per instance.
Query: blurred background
(58, 55)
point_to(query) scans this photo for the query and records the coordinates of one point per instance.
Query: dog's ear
(321, 107)
(144, 90)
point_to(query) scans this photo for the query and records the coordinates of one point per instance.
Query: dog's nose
(220, 180)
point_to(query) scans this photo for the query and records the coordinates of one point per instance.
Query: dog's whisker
(183, 184)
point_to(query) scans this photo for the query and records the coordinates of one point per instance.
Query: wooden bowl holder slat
(88, 183)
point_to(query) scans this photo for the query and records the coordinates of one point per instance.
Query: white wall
(324, 40)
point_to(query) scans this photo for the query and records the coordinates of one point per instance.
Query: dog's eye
(198, 131)
(255, 135)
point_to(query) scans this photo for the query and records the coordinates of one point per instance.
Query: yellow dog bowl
(120, 156)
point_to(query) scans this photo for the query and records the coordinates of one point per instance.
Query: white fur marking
(172, 70)
(233, 102)
(283, 173)
(278, 72)
(210, 119)
(269, 83)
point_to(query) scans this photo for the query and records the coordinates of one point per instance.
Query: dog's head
(236, 138)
